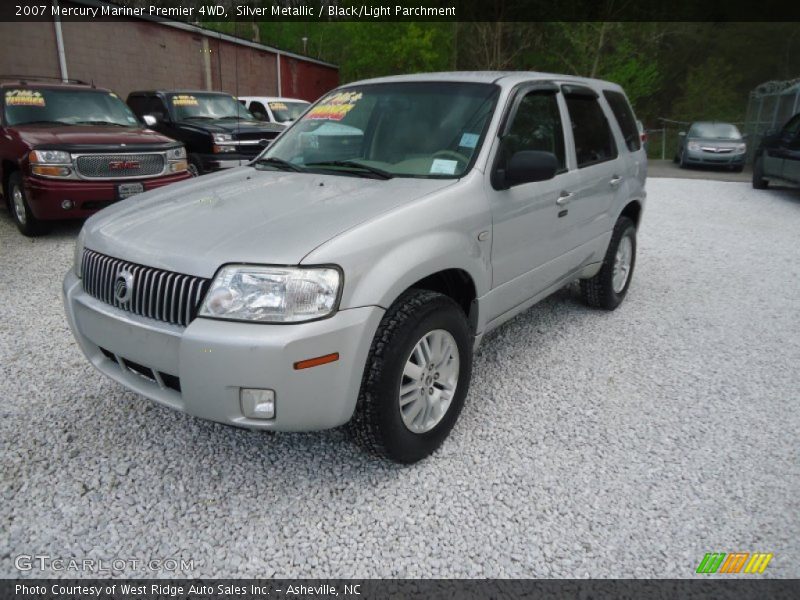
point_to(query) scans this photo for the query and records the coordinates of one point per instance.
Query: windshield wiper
(99, 123)
(46, 122)
(352, 166)
(201, 117)
(279, 163)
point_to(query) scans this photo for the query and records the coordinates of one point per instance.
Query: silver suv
(348, 273)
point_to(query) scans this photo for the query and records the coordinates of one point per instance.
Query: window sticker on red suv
(184, 100)
(24, 98)
(335, 107)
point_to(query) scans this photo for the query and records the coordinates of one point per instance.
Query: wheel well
(633, 211)
(8, 168)
(454, 283)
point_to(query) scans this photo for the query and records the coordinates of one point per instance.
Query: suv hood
(244, 216)
(230, 126)
(76, 135)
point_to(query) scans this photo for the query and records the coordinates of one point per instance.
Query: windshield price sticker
(469, 140)
(336, 107)
(24, 98)
(184, 100)
(441, 166)
(278, 106)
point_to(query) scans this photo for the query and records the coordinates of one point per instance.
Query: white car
(283, 111)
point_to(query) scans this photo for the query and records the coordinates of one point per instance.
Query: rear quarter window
(625, 119)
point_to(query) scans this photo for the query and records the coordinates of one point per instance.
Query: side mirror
(150, 120)
(528, 166)
(682, 133)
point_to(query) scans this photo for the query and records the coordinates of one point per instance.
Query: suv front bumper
(200, 369)
(46, 195)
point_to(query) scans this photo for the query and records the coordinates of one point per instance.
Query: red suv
(69, 149)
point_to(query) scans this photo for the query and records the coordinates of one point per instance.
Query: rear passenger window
(625, 119)
(594, 142)
(536, 126)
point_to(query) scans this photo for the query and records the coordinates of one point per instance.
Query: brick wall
(132, 55)
(28, 49)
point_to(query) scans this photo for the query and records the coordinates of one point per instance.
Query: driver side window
(536, 126)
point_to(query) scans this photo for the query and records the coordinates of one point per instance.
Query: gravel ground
(592, 444)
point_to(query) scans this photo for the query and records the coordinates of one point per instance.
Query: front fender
(404, 265)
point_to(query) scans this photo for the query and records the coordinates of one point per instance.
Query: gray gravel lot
(592, 444)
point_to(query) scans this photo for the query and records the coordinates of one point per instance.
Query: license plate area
(126, 190)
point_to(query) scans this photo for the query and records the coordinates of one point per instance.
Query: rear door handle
(615, 180)
(563, 198)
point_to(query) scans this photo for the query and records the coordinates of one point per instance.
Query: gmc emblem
(118, 165)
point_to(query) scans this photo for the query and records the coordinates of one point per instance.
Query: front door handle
(563, 198)
(615, 180)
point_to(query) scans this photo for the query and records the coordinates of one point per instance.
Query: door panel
(791, 161)
(600, 174)
(527, 230)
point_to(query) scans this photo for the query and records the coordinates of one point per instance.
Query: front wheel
(608, 288)
(28, 224)
(416, 378)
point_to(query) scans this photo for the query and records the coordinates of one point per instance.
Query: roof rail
(26, 78)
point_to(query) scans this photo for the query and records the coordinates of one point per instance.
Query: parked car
(712, 144)
(217, 131)
(68, 150)
(777, 159)
(312, 288)
(284, 111)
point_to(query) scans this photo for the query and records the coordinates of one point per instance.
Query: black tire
(195, 166)
(377, 424)
(759, 183)
(28, 224)
(599, 290)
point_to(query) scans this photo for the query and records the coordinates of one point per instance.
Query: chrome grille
(119, 165)
(156, 294)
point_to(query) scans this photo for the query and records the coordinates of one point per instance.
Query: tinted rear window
(594, 142)
(625, 119)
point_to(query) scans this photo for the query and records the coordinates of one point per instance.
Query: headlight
(222, 137)
(694, 146)
(176, 153)
(50, 157)
(50, 163)
(78, 258)
(740, 148)
(272, 294)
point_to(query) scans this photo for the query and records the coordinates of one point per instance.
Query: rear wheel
(416, 378)
(759, 182)
(28, 224)
(608, 288)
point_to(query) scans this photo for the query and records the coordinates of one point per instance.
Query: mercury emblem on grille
(123, 286)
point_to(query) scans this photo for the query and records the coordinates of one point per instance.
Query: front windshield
(207, 106)
(720, 131)
(419, 129)
(287, 111)
(28, 106)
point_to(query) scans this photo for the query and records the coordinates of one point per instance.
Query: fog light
(67, 204)
(257, 404)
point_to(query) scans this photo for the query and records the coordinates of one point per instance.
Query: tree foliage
(680, 71)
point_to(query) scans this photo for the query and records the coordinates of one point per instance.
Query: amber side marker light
(315, 362)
